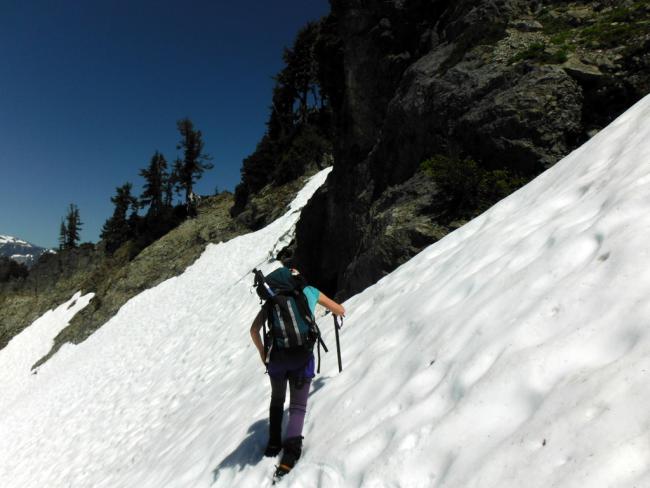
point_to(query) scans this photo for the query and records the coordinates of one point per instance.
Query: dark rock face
(521, 117)
(441, 77)
(400, 225)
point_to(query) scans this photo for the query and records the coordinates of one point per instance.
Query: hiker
(294, 366)
(193, 201)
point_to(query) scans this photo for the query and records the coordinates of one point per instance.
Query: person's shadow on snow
(317, 385)
(249, 452)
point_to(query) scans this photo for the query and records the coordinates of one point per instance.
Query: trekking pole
(337, 326)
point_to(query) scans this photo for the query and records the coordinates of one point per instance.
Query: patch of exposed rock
(52, 281)
(271, 202)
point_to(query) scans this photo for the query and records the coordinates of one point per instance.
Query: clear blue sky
(90, 89)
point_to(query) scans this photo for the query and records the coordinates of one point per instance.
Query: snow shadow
(249, 452)
(317, 385)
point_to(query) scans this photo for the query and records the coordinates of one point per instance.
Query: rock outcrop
(511, 84)
(272, 200)
(52, 281)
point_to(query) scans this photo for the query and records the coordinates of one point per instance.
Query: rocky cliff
(514, 85)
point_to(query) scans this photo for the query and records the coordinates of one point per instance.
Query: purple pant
(298, 373)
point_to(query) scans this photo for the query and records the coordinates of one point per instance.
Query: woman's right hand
(331, 305)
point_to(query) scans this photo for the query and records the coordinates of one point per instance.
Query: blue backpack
(292, 327)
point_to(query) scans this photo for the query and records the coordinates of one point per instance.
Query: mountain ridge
(20, 250)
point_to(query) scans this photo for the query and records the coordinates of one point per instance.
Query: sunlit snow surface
(25, 349)
(11, 240)
(513, 353)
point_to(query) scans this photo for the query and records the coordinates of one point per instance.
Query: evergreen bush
(10, 269)
(469, 188)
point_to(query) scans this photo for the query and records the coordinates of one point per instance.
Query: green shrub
(459, 181)
(498, 184)
(620, 26)
(10, 269)
(611, 34)
(541, 53)
(127, 252)
(307, 147)
(554, 24)
(469, 189)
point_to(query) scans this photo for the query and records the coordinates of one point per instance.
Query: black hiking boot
(290, 456)
(274, 445)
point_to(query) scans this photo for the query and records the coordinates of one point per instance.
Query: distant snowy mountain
(20, 251)
(514, 352)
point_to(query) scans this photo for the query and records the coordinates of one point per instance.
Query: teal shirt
(312, 295)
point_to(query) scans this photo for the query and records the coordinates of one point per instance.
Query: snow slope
(514, 352)
(17, 358)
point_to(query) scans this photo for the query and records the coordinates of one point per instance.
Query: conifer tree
(156, 185)
(175, 176)
(116, 230)
(10, 269)
(169, 190)
(72, 227)
(190, 168)
(300, 125)
(300, 72)
(63, 234)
